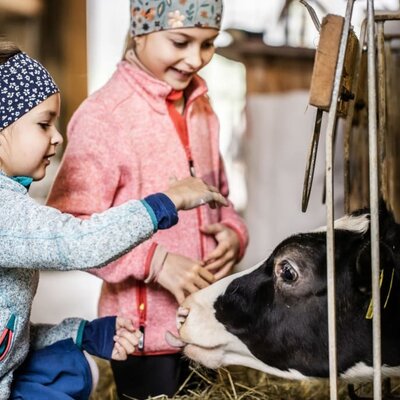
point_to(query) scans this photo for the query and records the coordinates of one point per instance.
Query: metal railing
(373, 39)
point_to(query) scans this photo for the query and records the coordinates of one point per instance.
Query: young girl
(34, 237)
(150, 121)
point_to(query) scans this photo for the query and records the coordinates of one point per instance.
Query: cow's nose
(181, 316)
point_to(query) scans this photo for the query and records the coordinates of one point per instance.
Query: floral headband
(155, 15)
(24, 84)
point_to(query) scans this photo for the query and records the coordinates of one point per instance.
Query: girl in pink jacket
(150, 122)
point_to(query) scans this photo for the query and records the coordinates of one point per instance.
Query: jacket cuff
(156, 264)
(164, 213)
(79, 334)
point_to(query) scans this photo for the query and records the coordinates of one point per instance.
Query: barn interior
(271, 85)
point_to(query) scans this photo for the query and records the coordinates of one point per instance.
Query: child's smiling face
(27, 145)
(175, 56)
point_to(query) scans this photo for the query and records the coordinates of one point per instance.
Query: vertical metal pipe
(381, 81)
(374, 199)
(330, 242)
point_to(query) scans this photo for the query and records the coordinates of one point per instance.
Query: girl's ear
(130, 44)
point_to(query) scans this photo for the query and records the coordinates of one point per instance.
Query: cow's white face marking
(207, 340)
(359, 224)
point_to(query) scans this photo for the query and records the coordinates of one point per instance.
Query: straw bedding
(239, 383)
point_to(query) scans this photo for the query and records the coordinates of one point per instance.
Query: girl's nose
(194, 58)
(56, 138)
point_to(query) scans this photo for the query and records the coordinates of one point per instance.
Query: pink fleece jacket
(122, 145)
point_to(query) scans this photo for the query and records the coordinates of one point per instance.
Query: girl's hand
(182, 276)
(192, 192)
(222, 259)
(126, 338)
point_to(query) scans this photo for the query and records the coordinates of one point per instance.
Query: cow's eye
(288, 273)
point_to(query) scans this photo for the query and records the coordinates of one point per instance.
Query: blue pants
(56, 372)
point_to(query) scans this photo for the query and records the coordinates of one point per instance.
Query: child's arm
(109, 337)
(40, 237)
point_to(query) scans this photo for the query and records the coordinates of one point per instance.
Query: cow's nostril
(179, 322)
(181, 316)
(183, 311)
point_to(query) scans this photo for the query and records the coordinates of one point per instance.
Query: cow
(273, 317)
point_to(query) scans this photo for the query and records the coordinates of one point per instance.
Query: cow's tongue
(173, 340)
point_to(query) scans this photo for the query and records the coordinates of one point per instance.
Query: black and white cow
(273, 317)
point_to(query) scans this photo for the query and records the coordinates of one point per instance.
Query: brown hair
(129, 44)
(8, 50)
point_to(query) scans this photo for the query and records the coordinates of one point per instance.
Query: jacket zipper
(142, 299)
(192, 172)
(6, 337)
(141, 292)
(142, 314)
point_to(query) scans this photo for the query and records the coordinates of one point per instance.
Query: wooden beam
(25, 8)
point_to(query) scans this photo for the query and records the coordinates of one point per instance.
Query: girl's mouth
(47, 159)
(183, 74)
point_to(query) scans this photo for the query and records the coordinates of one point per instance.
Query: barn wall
(279, 128)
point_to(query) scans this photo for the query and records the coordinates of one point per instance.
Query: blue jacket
(35, 237)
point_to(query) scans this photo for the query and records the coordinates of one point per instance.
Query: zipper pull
(191, 168)
(141, 340)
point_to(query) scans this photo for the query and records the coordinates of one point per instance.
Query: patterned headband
(24, 84)
(155, 15)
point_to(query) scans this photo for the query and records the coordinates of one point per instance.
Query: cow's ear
(363, 269)
(363, 265)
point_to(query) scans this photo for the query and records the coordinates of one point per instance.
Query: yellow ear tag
(370, 311)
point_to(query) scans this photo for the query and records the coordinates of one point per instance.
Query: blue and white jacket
(35, 237)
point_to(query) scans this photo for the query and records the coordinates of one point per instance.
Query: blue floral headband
(24, 84)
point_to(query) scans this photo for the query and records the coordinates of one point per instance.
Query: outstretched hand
(126, 339)
(192, 192)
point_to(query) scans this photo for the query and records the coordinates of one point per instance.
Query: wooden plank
(25, 8)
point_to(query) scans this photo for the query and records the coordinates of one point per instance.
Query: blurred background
(259, 86)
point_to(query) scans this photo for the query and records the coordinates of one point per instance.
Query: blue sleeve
(97, 337)
(162, 210)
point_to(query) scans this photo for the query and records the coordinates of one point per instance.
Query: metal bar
(330, 241)
(312, 157)
(374, 200)
(313, 15)
(392, 36)
(382, 121)
(394, 16)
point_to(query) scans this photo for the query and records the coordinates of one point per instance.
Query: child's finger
(206, 275)
(125, 323)
(118, 352)
(215, 265)
(217, 253)
(128, 342)
(223, 272)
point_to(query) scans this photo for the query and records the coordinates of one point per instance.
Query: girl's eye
(44, 125)
(180, 45)
(208, 45)
(288, 273)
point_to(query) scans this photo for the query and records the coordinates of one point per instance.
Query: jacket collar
(9, 184)
(155, 91)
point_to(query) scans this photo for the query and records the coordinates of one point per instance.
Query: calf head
(273, 317)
